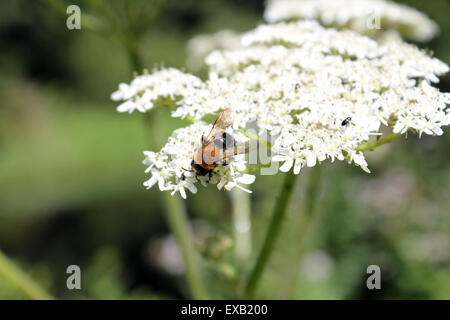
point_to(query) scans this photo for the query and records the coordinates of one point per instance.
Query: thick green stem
(273, 231)
(11, 272)
(380, 142)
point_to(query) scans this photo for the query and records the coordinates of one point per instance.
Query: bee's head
(199, 170)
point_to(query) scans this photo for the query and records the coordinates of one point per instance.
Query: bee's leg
(210, 175)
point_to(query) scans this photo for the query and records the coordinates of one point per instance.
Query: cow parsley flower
(142, 93)
(296, 81)
(358, 15)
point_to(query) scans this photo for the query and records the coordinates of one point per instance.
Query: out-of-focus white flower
(165, 252)
(358, 15)
(201, 45)
(298, 81)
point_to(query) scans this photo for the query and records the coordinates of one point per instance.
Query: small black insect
(297, 86)
(346, 121)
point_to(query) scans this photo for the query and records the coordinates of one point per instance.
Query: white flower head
(298, 81)
(145, 90)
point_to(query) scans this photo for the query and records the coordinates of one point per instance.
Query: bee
(217, 148)
(346, 121)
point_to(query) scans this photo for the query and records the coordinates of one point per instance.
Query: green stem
(21, 280)
(273, 231)
(312, 194)
(176, 211)
(179, 224)
(377, 143)
(257, 167)
(255, 137)
(133, 54)
(307, 216)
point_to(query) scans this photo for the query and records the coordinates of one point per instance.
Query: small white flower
(358, 158)
(242, 179)
(146, 89)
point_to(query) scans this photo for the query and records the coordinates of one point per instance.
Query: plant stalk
(175, 209)
(21, 280)
(179, 224)
(380, 142)
(308, 213)
(273, 231)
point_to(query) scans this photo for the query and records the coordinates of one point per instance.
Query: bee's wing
(222, 122)
(241, 148)
(216, 154)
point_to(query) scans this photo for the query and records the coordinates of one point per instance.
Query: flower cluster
(296, 81)
(171, 166)
(145, 90)
(357, 15)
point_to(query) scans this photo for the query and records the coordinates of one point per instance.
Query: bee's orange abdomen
(208, 153)
(208, 166)
(204, 157)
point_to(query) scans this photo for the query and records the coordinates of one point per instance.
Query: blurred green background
(71, 173)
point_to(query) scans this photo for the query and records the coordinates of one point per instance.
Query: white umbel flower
(298, 81)
(142, 93)
(358, 15)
